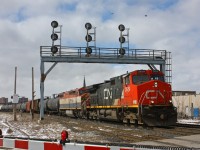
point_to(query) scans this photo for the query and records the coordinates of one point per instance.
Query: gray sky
(25, 26)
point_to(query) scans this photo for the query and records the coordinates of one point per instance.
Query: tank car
(4, 107)
(52, 105)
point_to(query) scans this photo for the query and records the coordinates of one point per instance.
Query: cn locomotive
(140, 97)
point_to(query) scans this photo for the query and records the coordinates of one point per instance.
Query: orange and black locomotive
(141, 96)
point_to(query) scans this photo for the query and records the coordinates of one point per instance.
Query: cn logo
(107, 93)
(127, 89)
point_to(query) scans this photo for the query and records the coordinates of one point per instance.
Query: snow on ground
(79, 129)
(189, 121)
(50, 128)
(28, 129)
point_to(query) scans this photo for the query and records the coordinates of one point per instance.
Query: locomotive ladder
(168, 68)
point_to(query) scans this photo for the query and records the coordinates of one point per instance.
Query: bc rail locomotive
(141, 96)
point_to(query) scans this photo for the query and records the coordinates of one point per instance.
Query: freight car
(7, 107)
(52, 105)
(141, 96)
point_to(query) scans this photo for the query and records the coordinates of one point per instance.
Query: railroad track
(12, 128)
(188, 125)
(111, 132)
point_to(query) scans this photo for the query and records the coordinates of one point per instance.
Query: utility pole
(14, 105)
(32, 108)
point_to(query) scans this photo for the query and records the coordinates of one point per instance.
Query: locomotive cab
(154, 98)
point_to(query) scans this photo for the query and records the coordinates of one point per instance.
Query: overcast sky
(172, 25)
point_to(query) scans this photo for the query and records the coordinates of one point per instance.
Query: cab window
(138, 79)
(127, 80)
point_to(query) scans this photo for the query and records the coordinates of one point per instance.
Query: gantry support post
(43, 77)
(42, 90)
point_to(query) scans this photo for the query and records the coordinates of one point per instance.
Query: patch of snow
(189, 121)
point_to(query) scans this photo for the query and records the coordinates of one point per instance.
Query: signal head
(121, 51)
(122, 39)
(88, 26)
(54, 24)
(121, 27)
(54, 49)
(88, 38)
(54, 36)
(88, 50)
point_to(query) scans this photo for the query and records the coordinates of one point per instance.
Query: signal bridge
(104, 55)
(92, 54)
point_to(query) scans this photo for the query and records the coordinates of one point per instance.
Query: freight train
(140, 97)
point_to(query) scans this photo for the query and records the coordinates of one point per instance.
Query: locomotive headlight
(170, 101)
(135, 102)
(152, 102)
(155, 84)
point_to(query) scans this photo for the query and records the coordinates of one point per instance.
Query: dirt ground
(79, 129)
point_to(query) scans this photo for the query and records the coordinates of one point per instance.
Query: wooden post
(14, 105)
(32, 108)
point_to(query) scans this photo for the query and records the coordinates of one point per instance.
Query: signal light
(54, 24)
(64, 137)
(54, 36)
(88, 38)
(122, 39)
(121, 51)
(121, 27)
(88, 50)
(54, 49)
(88, 26)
